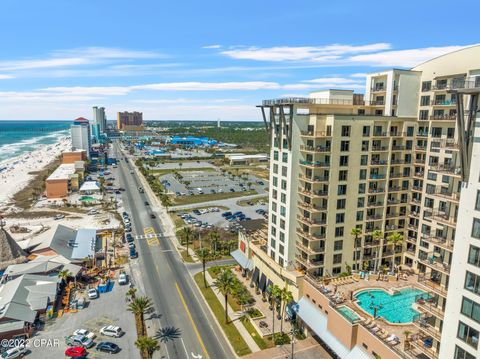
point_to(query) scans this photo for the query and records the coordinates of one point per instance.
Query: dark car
(133, 253)
(226, 214)
(146, 203)
(108, 347)
(152, 216)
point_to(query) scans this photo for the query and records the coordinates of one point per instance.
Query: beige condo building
(392, 164)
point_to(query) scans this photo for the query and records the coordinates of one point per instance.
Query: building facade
(129, 121)
(390, 165)
(99, 123)
(81, 135)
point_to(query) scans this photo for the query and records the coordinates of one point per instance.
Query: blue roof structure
(192, 141)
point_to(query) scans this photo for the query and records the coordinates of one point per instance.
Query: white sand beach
(14, 172)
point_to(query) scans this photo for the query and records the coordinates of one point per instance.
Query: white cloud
(328, 53)
(402, 58)
(212, 47)
(208, 86)
(99, 90)
(4, 77)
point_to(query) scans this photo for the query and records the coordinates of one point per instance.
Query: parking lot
(210, 182)
(109, 309)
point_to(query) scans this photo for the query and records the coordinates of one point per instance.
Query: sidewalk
(303, 349)
(235, 318)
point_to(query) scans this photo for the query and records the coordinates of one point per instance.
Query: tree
(187, 235)
(147, 345)
(356, 233)
(204, 255)
(395, 239)
(286, 296)
(377, 236)
(275, 293)
(131, 293)
(214, 239)
(225, 283)
(64, 274)
(166, 201)
(249, 184)
(139, 306)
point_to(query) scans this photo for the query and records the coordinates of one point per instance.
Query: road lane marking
(193, 323)
(151, 236)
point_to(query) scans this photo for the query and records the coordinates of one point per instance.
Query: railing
(443, 117)
(314, 178)
(435, 262)
(444, 217)
(310, 101)
(315, 163)
(376, 190)
(446, 168)
(310, 206)
(421, 321)
(469, 83)
(311, 221)
(380, 134)
(315, 149)
(376, 176)
(422, 134)
(379, 148)
(442, 192)
(397, 148)
(312, 193)
(378, 162)
(374, 217)
(443, 102)
(315, 133)
(374, 204)
(429, 303)
(311, 237)
(309, 249)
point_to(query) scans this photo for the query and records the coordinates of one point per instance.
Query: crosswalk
(150, 236)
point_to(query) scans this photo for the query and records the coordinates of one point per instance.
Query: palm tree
(64, 274)
(204, 255)
(286, 297)
(275, 292)
(225, 283)
(139, 306)
(147, 345)
(131, 293)
(187, 236)
(214, 239)
(377, 236)
(356, 232)
(166, 201)
(396, 239)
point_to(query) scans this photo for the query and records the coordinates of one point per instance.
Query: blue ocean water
(19, 137)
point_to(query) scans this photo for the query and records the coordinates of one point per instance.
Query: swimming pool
(349, 314)
(395, 308)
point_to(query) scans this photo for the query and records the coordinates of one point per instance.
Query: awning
(263, 283)
(255, 276)
(242, 259)
(317, 322)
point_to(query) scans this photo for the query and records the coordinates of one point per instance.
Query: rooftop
(64, 171)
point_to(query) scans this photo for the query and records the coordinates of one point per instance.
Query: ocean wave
(10, 150)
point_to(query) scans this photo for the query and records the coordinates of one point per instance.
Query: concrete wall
(72, 157)
(57, 188)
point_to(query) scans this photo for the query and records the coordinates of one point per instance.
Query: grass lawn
(261, 342)
(161, 172)
(177, 221)
(254, 201)
(199, 198)
(241, 348)
(187, 259)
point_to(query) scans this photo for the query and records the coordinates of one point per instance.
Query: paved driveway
(110, 308)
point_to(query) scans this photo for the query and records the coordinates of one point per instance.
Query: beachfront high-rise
(99, 123)
(81, 137)
(132, 121)
(391, 165)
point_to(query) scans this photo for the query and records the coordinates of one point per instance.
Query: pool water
(349, 314)
(395, 308)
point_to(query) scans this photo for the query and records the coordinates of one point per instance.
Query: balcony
(379, 162)
(309, 250)
(444, 218)
(397, 189)
(374, 217)
(424, 323)
(439, 241)
(422, 134)
(430, 305)
(417, 188)
(374, 204)
(398, 148)
(371, 229)
(315, 134)
(317, 149)
(313, 179)
(419, 174)
(421, 148)
(455, 171)
(434, 261)
(311, 237)
(314, 163)
(379, 148)
(417, 349)
(443, 118)
(310, 221)
(311, 207)
(432, 285)
(376, 190)
(312, 193)
(444, 193)
(377, 103)
(309, 263)
(471, 83)
(378, 89)
(372, 243)
(377, 176)
(379, 134)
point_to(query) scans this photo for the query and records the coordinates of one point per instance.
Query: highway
(187, 328)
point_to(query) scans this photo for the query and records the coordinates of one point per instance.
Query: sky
(208, 60)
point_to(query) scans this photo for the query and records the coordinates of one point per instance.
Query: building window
(284, 184)
(468, 335)
(342, 175)
(342, 189)
(282, 237)
(274, 219)
(275, 181)
(431, 176)
(283, 211)
(337, 258)
(426, 86)
(461, 353)
(336, 270)
(285, 157)
(423, 115)
(273, 230)
(343, 161)
(366, 131)
(275, 155)
(344, 146)
(360, 202)
(363, 160)
(337, 245)
(281, 249)
(363, 174)
(274, 194)
(365, 145)
(361, 188)
(340, 218)
(345, 131)
(282, 224)
(339, 232)
(275, 168)
(284, 171)
(474, 256)
(476, 228)
(472, 283)
(477, 202)
(283, 198)
(471, 309)
(425, 101)
(274, 206)
(359, 216)
(341, 203)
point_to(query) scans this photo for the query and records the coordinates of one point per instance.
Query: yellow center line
(193, 323)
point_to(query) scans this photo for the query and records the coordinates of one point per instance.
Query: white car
(111, 331)
(59, 216)
(92, 293)
(122, 279)
(15, 352)
(85, 333)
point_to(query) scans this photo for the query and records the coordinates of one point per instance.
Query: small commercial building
(240, 159)
(90, 187)
(74, 156)
(65, 179)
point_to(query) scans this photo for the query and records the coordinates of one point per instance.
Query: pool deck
(346, 289)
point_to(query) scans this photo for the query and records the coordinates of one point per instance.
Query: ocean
(19, 137)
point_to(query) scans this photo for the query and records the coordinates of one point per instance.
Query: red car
(74, 352)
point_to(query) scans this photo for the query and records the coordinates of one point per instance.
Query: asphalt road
(187, 329)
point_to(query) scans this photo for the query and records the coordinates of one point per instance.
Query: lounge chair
(367, 322)
(375, 330)
(394, 342)
(391, 338)
(384, 335)
(372, 324)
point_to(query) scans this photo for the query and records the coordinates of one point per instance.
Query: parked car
(122, 279)
(85, 333)
(152, 216)
(129, 237)
(15, 352)
(133, 253)
(75, 352)
(226, 214)
(79, 341)
(146, 203)
(108, 347)
(111, 331)
(59, 216)
(92, 293)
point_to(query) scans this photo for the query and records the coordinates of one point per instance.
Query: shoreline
(15, 171)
